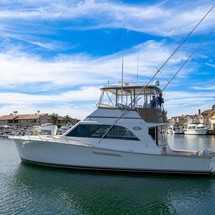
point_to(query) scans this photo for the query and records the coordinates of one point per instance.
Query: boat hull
(178, 132)
(92, 158)
(197, 132)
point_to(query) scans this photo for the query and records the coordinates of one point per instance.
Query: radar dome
(156, 83)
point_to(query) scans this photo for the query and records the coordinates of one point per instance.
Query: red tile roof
(21, 116)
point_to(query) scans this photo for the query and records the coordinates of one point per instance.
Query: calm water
(28, 189)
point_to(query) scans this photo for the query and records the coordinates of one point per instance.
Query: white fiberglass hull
(85, 157)
(199, 131)
(178, 132)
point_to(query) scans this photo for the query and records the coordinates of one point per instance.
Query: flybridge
(133, 96)
(146, 100)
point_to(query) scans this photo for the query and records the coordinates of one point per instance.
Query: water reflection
(192, 142)
(27, 189)
(73, 192)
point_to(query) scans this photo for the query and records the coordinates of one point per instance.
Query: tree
(67, 119)
(54, 118)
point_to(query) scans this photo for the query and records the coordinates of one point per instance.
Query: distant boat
(4, 135)
(47, 129)
(44, 129)
(178, 130)
(196, 129)
(5, 131)
(64, 128)
(173, 129)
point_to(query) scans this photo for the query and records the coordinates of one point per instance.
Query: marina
(29, 189)
(143, 146)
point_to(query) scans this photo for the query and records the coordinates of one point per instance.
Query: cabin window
(152, 132)
(119, 132)
(97, 131)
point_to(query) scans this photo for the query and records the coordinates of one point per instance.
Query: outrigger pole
(189, 58)
(177, 48)
(159, 70)
(183, 41)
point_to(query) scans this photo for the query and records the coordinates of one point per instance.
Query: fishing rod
(155, 74)
(183, 41)
(189, 58)
(177, 48)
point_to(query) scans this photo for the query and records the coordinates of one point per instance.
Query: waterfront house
(209, 118)
(30, 120)
(184, 120)
(177, 120)
(23, 120)
(206, 117)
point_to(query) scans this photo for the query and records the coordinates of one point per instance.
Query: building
(177, 120)
(206, 117)
(184, 120)
(23, 120)
(29, 120)
(209, 118)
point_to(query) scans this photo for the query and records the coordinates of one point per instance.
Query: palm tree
(67, 119)
(54, 118)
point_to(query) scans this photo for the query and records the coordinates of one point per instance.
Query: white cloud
(67, 80)
(19, 68)
(184, 102)
(57, 84)
(157, 19)
(74, 103)
(74, 71)
(83, 94)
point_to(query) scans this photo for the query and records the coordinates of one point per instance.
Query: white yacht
(178, 130)
(47, 129)
(44, 129)
(64, 128)
(173, 129)
(196, 129)
(122, 134)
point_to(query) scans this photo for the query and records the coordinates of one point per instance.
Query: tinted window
(152, 132)
(98, 131)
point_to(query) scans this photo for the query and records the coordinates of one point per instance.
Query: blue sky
(55, 55)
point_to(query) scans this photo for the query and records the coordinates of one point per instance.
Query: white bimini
(124, 133)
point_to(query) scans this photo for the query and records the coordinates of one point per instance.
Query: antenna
(123, 38)
(138, 56)
(159, 70)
